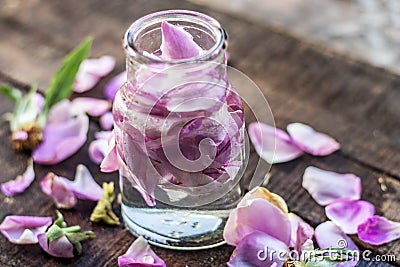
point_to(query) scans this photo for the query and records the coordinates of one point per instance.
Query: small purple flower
(326, 187)
(90, 72)
(378, 230)
(24, 229)
(139, 254)
(20, 183)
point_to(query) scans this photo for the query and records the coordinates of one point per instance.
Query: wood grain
(355, 103)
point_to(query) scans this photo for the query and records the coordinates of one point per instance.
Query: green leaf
(61, 86)
(11, 93)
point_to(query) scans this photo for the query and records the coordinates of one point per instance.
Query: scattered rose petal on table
(259, 249)
(328, 235)
(98, 148)
(20, 183)
(110, 162)
(177, 43)
(58, 189)
(140, 254)
(326, 187)
(348, 214)
(272, 144)
(64, 135)
(84, 186)
(93, 106)
(107, 121)
(310, 141)
(114, 84)
(378, 230)
(90, 72)
(60, 248)
(24, 229)
(257, 215)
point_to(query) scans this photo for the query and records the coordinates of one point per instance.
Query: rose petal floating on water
(93, 106)
(257, 215)
(259, 249)
(140, 254)
(107, 121)
(24, 229)
(177, 43)
(21, 182)
(113, 85)
(348, 214)
(98, 149)
(64, 135)
(326, 187)
(310, 141)
(328, 235)
(378, 230)
(58, 188)
(272, 144)
(90, 72)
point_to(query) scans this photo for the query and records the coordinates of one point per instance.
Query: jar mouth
(180, 16)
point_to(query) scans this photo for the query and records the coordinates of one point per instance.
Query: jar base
(175, 228)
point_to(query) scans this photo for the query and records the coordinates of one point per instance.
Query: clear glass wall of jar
(179, 129)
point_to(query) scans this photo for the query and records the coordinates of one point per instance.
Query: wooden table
(354, 102)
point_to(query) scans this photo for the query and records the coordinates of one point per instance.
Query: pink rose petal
(84, 186)
(90, 72)
(177, 43)
(378, 230)
(20, 183)
(98, 148)
(19, 136)
(301, 233)
(326, 187)
(113, 85)
(58, 188)
(272, 144)
(24, 229)
(348, 214)
(93, 106)
(140, 254)
(257, 215)
(107, 121)
(259, 249)
(328, 235)
(310, 141)
(60, 247)
(110, 162)
(63, 136)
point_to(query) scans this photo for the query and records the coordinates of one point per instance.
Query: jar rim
(157, 17)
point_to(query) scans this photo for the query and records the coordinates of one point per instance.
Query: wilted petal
(59, 189)
(348, 214)
(90, 72)
(257, 215)
(263, 193)
(326, 187)
(113, 85)
(64, 135)
(93, 106)
(301, 232)
(272, 144)
(24, 229)
(61, 247)
(177, 43)
(21, 182)
(140, 254)
(259, 249)
(378, 230)
(110, 162)
(84, 186)
(315, 143)
(107, 121)
(328, 235)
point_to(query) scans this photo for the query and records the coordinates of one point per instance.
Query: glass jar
(179, 128)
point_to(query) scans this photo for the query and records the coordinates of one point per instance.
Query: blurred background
(368, 30)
